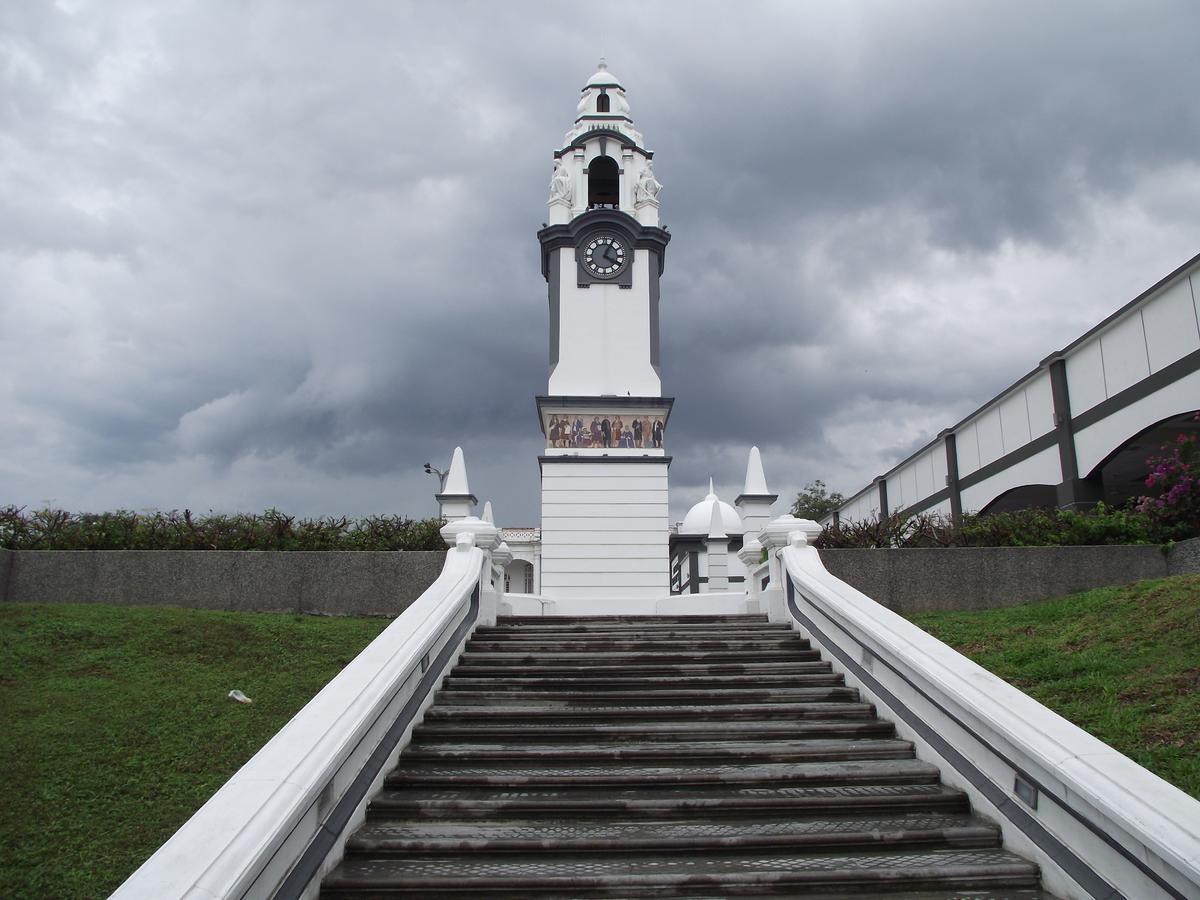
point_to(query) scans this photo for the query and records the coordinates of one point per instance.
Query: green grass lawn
(1123, 663)
(115, 726)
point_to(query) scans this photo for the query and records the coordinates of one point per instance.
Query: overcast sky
(283, 253)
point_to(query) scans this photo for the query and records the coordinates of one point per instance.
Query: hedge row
(56, 529)
(1023, 528)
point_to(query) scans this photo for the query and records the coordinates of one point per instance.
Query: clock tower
(604, 470)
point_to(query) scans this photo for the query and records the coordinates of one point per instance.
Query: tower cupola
(603, 99)
(603, 163)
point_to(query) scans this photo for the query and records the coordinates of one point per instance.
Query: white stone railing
(1097, 823)
(281, 821)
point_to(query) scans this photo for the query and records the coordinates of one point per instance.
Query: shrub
(56, 529)
(1022, 528)
(1175, 474)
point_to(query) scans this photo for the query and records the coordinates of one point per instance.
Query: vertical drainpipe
(951, 443)
(881, 480)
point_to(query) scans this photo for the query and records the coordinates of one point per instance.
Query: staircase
(697, 756)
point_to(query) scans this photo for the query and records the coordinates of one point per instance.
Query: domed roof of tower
(699, 518)
(602, 77)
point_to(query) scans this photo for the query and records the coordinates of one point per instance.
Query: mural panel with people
(594, 429)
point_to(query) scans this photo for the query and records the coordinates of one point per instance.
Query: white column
(580, 184)
(717, 551)
(627, 179)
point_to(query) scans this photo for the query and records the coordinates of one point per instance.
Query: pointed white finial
(456, 478)
(716, 528)
(756, 478)
(487, 513)
(711, 491)
(602, 65)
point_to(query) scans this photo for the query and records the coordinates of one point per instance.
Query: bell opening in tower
(604, 179)
(602, 103)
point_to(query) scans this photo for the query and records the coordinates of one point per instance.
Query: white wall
(1041, 468)
(1094, 444)
(1145, 340)
(604, 334)
(608, 543)
(863, 505)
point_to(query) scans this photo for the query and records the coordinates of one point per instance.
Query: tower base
(604, 529)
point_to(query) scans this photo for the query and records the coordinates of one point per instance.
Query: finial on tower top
(756, 479)
(456, 478)
(602, 65)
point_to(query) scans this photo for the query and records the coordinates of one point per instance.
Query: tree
(816, 502)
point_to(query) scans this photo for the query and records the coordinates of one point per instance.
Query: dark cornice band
(637, 235)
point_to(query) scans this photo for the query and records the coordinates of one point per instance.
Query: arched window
(604, 180)
(602, 103)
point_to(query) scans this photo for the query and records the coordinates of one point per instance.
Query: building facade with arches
(1075, 430)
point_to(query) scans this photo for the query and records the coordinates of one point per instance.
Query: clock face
(604, 256)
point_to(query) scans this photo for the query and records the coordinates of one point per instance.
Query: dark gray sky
(281, 254)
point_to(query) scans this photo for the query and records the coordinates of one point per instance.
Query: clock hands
(605, 256)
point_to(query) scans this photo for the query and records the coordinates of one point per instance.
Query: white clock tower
(604, 469)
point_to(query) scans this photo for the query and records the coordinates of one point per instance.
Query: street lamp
(430, 469)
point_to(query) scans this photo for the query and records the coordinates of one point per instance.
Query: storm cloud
(282, 254)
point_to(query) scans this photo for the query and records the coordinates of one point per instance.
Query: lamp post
(430, 469)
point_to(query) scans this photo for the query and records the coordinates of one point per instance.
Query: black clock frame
(609, 237)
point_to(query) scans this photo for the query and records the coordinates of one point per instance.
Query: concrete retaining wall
(911, 581)
(359, 583)
(1184, 558)
(380, 583)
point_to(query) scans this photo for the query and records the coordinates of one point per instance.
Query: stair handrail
(1105, 826)
(258, 831)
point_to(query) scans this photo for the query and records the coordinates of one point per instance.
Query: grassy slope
(116, 726)
(1122, 663)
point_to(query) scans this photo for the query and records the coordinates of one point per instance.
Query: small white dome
(699, 517)
(602, 76)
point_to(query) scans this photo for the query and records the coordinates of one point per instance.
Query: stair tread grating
(612, 755)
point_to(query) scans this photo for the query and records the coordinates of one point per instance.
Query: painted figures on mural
(575, 430)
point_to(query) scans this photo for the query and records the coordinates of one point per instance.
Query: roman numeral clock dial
(604, 256)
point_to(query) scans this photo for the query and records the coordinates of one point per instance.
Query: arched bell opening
(604, 183)
(602, 103)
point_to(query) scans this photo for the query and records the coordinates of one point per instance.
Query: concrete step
(505, 774)
(638, 644)
(581, 685)
(652, 801)
(622, 631)
(535, 754)
(857, 832)
(683, 873)
(484, 728)
(632, 621)
(613, 712)
(643, 669)
(633, 657)
(702, 696)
